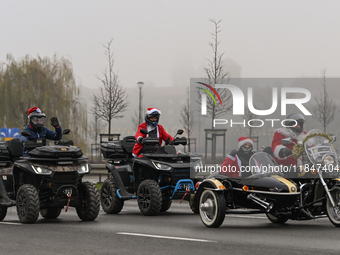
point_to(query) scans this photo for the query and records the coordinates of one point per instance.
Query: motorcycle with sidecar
(154, 179)
(48, 180)
(309, 191)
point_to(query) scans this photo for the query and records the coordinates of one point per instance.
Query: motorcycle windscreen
(319, 148)
(262, 163)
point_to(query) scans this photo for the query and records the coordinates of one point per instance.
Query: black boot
(4, 199)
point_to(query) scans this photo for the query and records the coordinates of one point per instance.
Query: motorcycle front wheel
(212, 207)
(334, 212)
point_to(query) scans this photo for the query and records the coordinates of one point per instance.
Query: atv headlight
(41, 170)
(328, 160)
(161, 166)
(84, 169)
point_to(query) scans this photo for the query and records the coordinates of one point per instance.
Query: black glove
(285, 152)
(140, 140)
(167, 141)
(233, 153)
(54, 122)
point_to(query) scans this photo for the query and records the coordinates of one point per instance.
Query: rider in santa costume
(154, 129)
(294, 131)
(233, 163)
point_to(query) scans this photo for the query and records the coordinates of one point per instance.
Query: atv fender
(121, 191)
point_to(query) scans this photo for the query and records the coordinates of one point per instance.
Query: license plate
(185, 186)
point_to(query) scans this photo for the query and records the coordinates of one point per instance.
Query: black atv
(155, 179)
(48, 180)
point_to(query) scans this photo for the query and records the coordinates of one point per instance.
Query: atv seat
(127, 144)
(15, 149)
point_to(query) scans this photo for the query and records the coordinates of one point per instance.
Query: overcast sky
(165, 43)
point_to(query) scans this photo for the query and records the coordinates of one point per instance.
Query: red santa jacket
(231, 166)
(161, 134)
(282, 133)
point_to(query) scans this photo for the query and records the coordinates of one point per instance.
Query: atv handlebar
(31, 145)
(179, 141)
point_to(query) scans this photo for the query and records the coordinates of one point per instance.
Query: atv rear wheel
(28, 204)
(90, 202)
(51, 212)
(166, 204)
(109, 199)
(212, 208)
(3, 212)
(149, 197)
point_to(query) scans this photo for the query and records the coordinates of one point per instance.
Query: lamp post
(140, 85)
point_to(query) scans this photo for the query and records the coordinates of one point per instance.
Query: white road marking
(166, 237)
(10, 223)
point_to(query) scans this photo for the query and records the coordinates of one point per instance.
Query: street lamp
(140, 85)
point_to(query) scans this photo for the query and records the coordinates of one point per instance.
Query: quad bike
(313, 193)
(48, 180)
(154, 179)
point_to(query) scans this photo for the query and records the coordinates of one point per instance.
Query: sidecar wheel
(276, 219)
(212, 207)
(334, 212)
(3, 212)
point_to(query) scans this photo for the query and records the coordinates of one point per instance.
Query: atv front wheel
(109, 199)
(3, 212)
(166, 204)
(149, 198)
(50, 213)
(212, 208)
(90, 202)
(28, 204)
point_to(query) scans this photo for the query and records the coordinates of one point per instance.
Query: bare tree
(324, 110)
(187, 118)
(135, 121)
(112, 100)
(215, 74)
(95, 128)
(249, 130)
(20, 113)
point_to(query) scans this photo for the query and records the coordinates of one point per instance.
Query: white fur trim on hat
(242, 140)
(151, 110)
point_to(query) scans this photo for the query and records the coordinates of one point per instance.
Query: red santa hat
(242, 140)
(152, 110)
(33, 109)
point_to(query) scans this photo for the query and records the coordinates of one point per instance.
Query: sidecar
(264, 190)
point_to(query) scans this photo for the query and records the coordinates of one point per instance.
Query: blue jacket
(43, 133)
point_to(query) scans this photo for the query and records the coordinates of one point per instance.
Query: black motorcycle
(48, 180)
(309, 191)
(154, 179)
